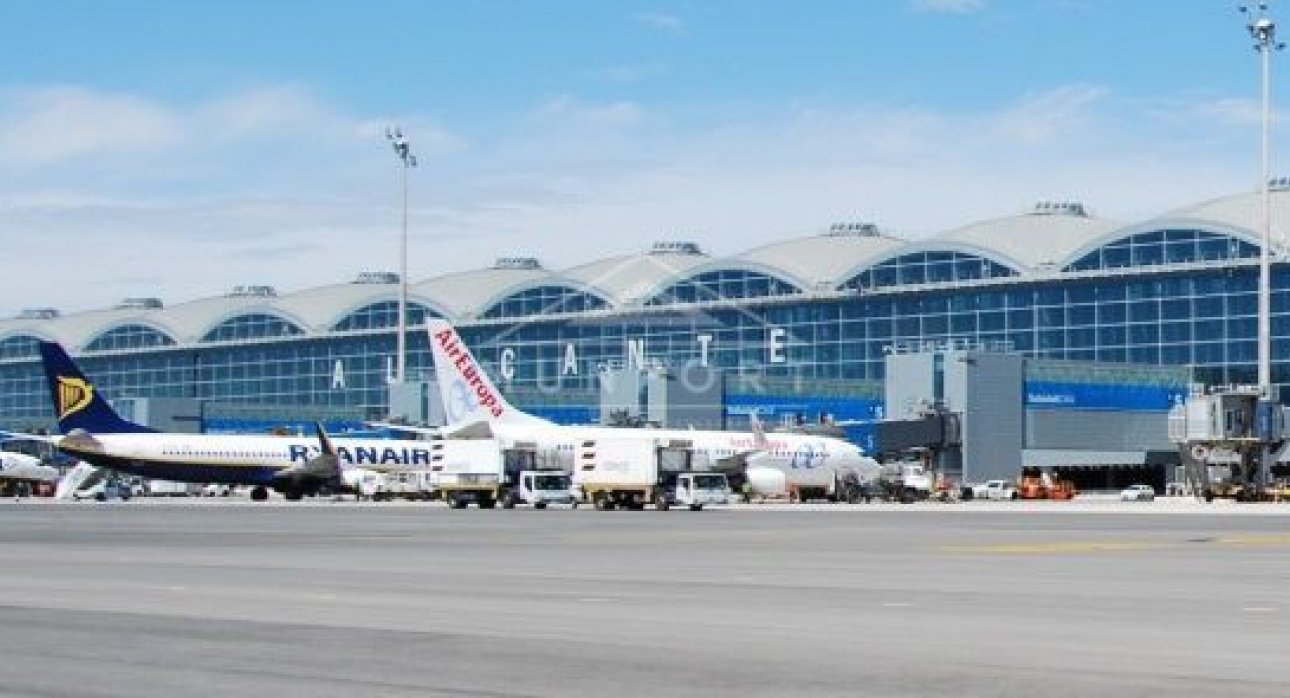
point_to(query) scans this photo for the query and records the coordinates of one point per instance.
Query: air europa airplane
(476, 408)
(293, 466)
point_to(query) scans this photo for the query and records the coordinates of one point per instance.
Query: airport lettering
(570, 360)
(507, 361)
(775, 342)
(705, 340)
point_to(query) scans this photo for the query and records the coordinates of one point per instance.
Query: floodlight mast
(403, 150)
(1263, 30)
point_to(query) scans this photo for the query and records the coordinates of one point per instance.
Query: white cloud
(52, 124)
(629, 73)
(1236, 111)
(661, 21)
(296, 193)
(1041, 117)
(958, 7)
(567, 110)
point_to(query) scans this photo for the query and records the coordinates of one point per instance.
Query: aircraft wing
(464, 430)
(737, 462)
(40, 438)
(435, 432)
(325, 466)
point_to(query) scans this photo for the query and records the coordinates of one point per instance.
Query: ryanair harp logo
(74, 395)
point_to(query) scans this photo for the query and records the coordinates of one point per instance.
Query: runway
(165, 599)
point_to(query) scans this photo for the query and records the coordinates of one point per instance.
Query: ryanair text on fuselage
(365, 455)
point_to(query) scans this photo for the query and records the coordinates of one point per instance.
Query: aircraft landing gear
(259, 493)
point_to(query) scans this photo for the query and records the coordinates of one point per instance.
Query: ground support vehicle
(103, 490)
(995, 490)
(486, 472)
(170, 488)
(540, 489)
(630, 473)
(1045, 486)
(906, 483)
(695, 490)
(1138, 493)
(413, 485)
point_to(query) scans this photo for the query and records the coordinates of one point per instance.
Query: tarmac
(231, 598)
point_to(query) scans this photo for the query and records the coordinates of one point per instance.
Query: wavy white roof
(1027, 241)
(634, 278)
(1044, 240)
(822, 261)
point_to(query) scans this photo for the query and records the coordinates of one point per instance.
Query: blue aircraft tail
(77, 403)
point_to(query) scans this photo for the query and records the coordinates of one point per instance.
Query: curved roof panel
(77, 330)
(322, 307)
(552, 282)
(192, 320)
(1042, 238)
(823, 261)
(464, 295)
(633, 278)
(1243, 212)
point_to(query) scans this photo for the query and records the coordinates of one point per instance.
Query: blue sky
(180, 148)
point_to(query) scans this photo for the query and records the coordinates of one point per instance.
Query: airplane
(477, 409)
(293, 466)
(20, 467)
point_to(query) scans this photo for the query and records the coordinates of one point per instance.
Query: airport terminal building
(1109, 317)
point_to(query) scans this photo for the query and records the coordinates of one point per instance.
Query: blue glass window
(129, 337)
(19, 347)
(928, 267)
(544, 300)
(1165, 247)
(723, 284)
(383, 314)
(251, 326)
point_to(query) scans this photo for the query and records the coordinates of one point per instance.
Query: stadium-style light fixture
(1264, 33)
(403, 150)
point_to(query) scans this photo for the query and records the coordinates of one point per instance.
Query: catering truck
(487, 472)
(631, 473)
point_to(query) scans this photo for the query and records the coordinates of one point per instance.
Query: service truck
(629, 473)
(906, 482)
(540, 488)
(486, 472)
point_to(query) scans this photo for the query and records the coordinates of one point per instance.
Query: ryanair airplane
(293, 466)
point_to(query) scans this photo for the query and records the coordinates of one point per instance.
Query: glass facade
(818, 349)
(1165, 247)
(383, 314)
(723, 284)
(19, 347)
(918, 268)
(544, 300)
(251, 326)
(129, 337)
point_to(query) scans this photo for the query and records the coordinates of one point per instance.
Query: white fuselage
(235, 458)
(779, 451)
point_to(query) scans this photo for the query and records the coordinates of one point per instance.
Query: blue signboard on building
(1099, 396)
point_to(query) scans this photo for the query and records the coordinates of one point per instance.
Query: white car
(103, 490)
(1138, 493)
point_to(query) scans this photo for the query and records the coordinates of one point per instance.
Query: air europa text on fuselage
(366, 455)
(465, 363)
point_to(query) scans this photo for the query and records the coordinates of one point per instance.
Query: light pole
(407, 161)
(1264, 32)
